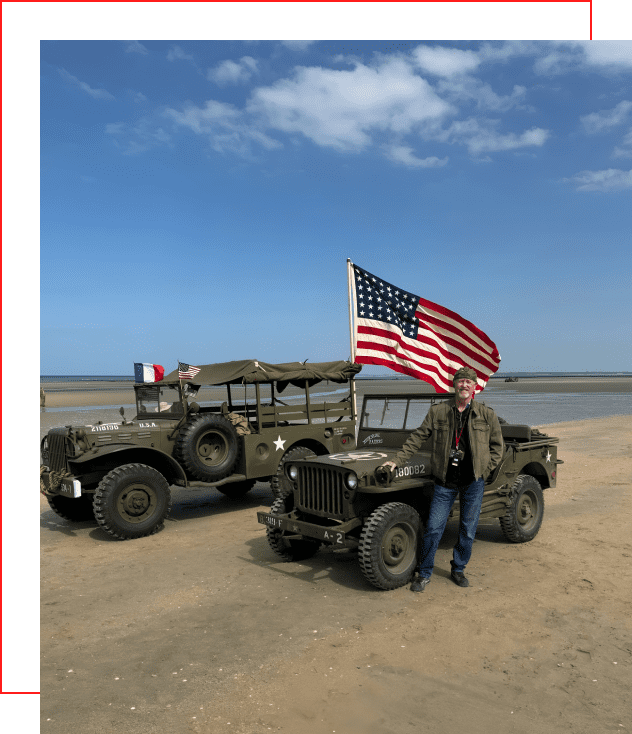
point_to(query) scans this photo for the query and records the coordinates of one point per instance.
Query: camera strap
(457, 436)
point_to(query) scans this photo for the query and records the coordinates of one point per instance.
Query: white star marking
(548, 456)
(279, 443)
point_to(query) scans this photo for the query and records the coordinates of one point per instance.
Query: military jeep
(346, 500)
(120, 473)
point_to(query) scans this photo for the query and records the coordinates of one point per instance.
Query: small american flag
(408, 334)
(187, 371)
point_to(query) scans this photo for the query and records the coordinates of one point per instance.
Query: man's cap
(465, 373)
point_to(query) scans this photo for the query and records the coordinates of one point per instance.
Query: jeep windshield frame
(397, 412)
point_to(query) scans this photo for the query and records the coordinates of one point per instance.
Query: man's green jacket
(486, 440)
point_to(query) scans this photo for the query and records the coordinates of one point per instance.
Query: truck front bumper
(68, 487)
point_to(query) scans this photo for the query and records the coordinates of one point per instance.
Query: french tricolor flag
(144, 372)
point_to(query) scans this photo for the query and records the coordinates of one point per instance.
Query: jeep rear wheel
(75, 509)
(208, 446)
(281, 485)
(132, 501)
(523, 517)
(388, 545)
(289, 548)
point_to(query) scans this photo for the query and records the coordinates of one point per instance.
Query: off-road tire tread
(292, 454)
(184, 448)
(369, 551)
(509, 524)
(105, 486)
(300, 550)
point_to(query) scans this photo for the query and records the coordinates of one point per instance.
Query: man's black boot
(419, 583)
(459, 578)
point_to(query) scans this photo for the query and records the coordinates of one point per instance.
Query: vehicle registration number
(308, 529)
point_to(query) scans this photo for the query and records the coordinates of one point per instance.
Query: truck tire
(74, 509)
(235, 490)
(281, 487)
(388, 545)
(523, 517)
(289, 550)
(132, 501)
(208, 447)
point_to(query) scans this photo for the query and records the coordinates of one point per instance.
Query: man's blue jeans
(471, 498)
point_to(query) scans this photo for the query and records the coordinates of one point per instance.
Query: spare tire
(208, 447)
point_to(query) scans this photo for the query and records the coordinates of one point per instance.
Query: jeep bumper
(305, 529)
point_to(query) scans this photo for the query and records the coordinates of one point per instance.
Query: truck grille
(56, 451)
(321, 491)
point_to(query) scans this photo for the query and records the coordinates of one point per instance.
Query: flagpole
(351, 298)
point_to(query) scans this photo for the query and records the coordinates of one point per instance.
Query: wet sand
(74, 394)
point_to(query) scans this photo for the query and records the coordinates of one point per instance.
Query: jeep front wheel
(523, 517)
(289, 548)
(132, 501)
(388, 545)
(281, 486)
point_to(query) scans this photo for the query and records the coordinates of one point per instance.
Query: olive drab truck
(120, 473)
(347, 500)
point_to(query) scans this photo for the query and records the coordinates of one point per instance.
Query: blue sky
(199, 199)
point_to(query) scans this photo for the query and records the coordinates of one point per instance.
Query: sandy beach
(200, 628)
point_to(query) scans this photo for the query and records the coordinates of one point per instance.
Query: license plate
(308, 529)
(70, 488)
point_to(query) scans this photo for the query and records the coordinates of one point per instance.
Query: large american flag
(414, 336)
(187, 371)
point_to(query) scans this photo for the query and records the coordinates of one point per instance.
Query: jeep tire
(388, 545)
(132, 501)
(523, 517)
(208, 447)
(281, 486)
(295, 549)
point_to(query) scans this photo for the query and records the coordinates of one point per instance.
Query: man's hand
(390, 465)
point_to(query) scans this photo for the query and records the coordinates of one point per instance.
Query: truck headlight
(292, 472)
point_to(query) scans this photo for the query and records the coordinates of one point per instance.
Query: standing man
(467, 446)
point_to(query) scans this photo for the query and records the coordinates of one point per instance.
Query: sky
(199, 199)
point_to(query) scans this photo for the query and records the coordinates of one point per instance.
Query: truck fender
(156, 458)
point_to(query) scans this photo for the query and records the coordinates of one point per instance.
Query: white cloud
(481, 136)
(135, 47)
(625, 151)
(605, 119)
(444, 61)
(139, 97)
(560, 57)
(404, 154)
(133, 139)
(298, 45)
(341, 108)
(611, 179)
(176, 53)
(232, 72)
(224, 126)
(94, 93)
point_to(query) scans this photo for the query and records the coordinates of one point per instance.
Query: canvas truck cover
(249, 371)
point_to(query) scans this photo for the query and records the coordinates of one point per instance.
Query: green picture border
(24, 25)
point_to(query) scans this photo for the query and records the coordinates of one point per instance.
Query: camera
(455, 456)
